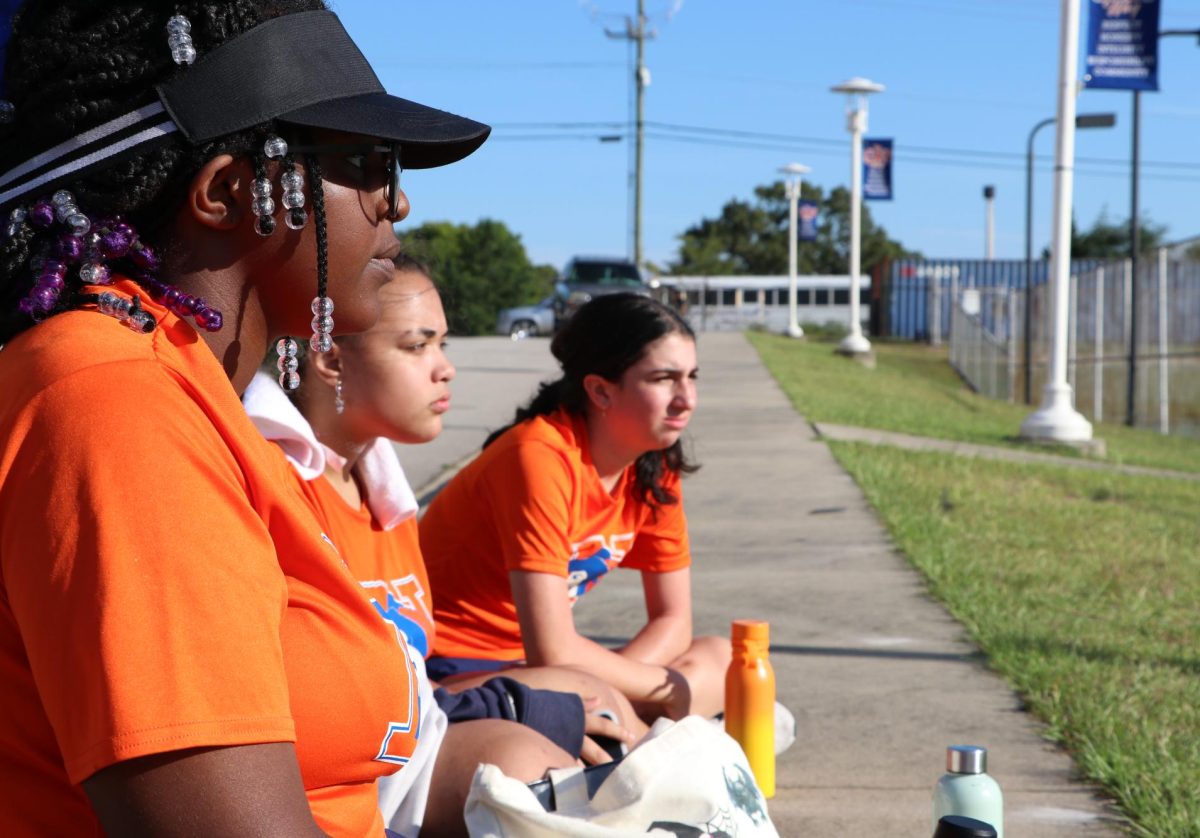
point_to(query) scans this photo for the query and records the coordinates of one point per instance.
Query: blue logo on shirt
(583, 574)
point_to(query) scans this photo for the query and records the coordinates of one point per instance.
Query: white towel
(389, 497)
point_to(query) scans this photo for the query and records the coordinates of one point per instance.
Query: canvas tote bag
(685, 778)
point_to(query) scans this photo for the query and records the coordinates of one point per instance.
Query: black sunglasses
(350, 151)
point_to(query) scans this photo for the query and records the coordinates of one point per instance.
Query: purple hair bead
(198, 305)
(44, 298)
(145, 257)
(52, 266)
(51, 281)
(26, 305)
(183, 305)
(210, 319)
(171, 296)
(41, 214)
(115, 243)
(69, 247)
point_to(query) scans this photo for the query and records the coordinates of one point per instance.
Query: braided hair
(607, 336)
(74, 64)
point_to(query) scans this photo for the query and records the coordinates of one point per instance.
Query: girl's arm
(668, 630)
(548, 632)
(244, 790)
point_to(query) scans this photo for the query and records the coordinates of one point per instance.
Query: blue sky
(966, 81)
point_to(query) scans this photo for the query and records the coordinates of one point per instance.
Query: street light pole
(795, 173)
(1057, 420)
(989, 223)
(1084, 120)
(857, 90)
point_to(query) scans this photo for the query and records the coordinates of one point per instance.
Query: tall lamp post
(1084, 120)
(989, 223)
(857, 90)
(1057, 420)
(795, 173)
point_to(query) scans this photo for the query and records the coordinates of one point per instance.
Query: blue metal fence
(919, 291)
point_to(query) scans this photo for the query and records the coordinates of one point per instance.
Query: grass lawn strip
(1081, 588)
(914, 390)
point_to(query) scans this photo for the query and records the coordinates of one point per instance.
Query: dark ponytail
(607, 336)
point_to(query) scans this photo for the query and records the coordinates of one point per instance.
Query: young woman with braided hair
(183, 649)
(389, 384)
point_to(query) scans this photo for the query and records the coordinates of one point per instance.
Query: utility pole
(639, 34)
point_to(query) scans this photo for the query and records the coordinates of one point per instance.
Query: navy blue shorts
(439, 668)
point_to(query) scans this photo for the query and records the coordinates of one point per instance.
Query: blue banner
(1122, 45)
(808, 213)
(877, 170)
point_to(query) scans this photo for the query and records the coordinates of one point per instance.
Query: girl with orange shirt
(392, 382)
(586, 479)
(183, 652)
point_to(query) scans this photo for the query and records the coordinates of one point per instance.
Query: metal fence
(987, 337)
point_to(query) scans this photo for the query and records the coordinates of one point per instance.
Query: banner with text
(809, 212)
(877, 170)
(1122, 45)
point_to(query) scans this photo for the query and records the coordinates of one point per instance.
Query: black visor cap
(304, 69)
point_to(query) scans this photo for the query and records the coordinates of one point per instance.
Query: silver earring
(339, 404)
(288, 364)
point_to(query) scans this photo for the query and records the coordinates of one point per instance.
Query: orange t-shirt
(164, 585)
(387, 563)
(532, 501)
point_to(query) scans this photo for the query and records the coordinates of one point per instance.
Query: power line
(779, 140)
(911, 156)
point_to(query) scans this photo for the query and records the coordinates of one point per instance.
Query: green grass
(914, 390)
(1082, 589)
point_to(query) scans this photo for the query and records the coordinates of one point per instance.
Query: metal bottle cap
(966, 759)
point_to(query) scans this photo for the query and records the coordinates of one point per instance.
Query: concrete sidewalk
(878, 674)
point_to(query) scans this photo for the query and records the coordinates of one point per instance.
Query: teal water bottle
(967, 789)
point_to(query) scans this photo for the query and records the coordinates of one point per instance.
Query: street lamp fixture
(1083, 120)
(857, 90)
(795, 173)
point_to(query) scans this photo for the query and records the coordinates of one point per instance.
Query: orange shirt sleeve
(661, 544)
(144, 587)
(530, 487)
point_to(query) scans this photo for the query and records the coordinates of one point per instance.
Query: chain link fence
(987, 341)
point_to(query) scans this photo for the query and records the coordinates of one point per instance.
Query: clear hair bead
(287, 364)
(275, 147)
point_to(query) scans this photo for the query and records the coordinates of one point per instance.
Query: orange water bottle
(750, 700)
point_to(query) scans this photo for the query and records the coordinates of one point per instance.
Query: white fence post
(1164, 401)
(935, 310)
(1010, 337)
(1098, 362)
(1073, 331)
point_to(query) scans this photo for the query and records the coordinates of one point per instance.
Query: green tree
(1110, 239)
(751, 237)
(480, 269)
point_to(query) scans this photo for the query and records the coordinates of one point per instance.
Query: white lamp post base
(1056, 420)
(795, 331)
(854, 344)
